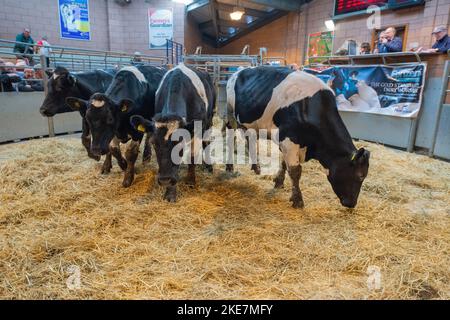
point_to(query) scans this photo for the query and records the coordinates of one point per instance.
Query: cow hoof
(229, 168)
(96, 158)
(170, 195)
(297, 202)
(127, 181)
(208, 168)
(278, 184)
(123, 165)
(256, 168)
(106, 169)
(190, 182)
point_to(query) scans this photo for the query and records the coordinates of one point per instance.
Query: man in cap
(442, 43)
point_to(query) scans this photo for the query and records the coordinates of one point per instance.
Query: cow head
(104, 118)
(346, 176)
(61, 84)
(161, 130)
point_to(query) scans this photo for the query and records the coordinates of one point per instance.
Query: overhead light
(185, 2)
(237, 13)
(330, 25)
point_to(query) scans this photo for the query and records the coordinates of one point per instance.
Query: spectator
(389, 42)
(137, 59)
(26, 85)
(442, 43)
(26, 48)
(44, 48)
(365, 48)
(8, 77)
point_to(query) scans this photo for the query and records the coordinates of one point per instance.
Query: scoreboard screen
(348, 6)
(352, 6)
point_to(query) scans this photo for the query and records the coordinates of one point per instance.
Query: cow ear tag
(141, 128)
(77, 105)
(354, 156)
(124, 108)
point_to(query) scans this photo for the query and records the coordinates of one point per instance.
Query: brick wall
(127, 25)
(288, 35)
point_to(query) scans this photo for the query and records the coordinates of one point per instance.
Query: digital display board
(348, 6)
(343, 7)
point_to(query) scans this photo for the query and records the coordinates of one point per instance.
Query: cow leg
(195, 149)
(279, 179)
(293, 155)
(255, 162)
(190, 179)
(107, 164)
(131, 155)
(229, 166)
(207, 162)
(114, 148)
(147, 155)
(86, 140)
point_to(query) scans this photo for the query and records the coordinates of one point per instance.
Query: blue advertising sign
(74, 19)
(389, 90)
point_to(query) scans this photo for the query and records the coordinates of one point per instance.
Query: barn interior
(67, 231)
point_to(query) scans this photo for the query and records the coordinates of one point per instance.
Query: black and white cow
(186, 95)
(63, 84)
(303, 109)
(132, 92)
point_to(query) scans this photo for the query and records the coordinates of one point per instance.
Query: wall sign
(74, 19)
(389, 90)
(160, 27)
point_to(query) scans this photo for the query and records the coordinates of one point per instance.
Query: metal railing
(78, 59)
(174, 52)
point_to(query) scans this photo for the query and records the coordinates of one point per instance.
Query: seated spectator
(389, 42)
(365, 48)
(137, 59)
(27, 47)
(442, 44)
(8, 77)
(25, 85)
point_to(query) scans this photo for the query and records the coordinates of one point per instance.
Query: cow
(303, 109)
(132, 92)
(185, 95)
(63, 84)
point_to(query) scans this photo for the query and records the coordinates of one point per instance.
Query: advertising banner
(160, 27)
(74, 19)
(388, 90)
(320, 44)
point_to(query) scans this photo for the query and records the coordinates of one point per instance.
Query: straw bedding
(228, 238)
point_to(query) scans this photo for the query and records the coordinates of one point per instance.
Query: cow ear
(77, 104)
(126, 105)
(142, 125)
(49, 73)
(360, 156)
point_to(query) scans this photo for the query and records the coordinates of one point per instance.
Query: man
(442, 43)
(26, 47)
(389, 42)
(365, 48)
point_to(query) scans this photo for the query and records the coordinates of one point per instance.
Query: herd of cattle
(150, 103)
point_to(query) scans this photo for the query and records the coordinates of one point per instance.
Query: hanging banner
(320, 44)
(74, 19)
(388, 90)
(160, 27)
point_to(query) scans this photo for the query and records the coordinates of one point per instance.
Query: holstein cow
(132, 92)
(83, 85)
(303, 108)
(184, 96)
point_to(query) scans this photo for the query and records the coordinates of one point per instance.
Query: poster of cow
(160, 27)
(74, 19)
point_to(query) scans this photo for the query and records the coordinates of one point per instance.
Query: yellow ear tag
(124, 108)
(353, 156)
(141, 128)
(78, 105)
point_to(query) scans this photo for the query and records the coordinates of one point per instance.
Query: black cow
(186, 95)
(132, 92)
(303, 108)
(63, 84)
